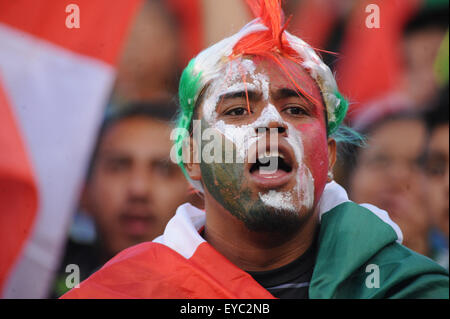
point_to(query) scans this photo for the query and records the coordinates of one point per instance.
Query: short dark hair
(163, 110)
(438, 112)
(428, 18)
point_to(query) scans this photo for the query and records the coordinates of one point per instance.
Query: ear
(193, 164)
(332, 153)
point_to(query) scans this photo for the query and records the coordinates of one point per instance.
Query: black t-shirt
(292, 280)
(86, 256)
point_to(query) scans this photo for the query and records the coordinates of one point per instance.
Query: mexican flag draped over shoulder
(359, 256)
(57, 69)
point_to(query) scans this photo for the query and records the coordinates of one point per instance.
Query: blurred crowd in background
(395, 76)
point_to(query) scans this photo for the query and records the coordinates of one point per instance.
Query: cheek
(108, 194)
(315, 155)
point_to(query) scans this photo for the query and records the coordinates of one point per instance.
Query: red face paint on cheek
(312, 128)
(315, 149)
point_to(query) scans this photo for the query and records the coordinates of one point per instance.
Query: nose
(402, 175)
(273, 127)
(138, 185)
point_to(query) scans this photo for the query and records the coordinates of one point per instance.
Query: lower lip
(135, 226)
(272, 180)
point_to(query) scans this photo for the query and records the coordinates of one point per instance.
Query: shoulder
(396, 272)
(407, 274)
(361, 256)
(131, 267)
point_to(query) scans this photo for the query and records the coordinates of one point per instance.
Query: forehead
(137, 135)
(439, 140)
(286, 73)
(402, 138)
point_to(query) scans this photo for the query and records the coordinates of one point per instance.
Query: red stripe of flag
(103, 27)
(18, 191)
(103, 23)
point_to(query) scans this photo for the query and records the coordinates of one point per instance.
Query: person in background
(394, 62)
(386, 172)
(422, 39)
(132, 188)
(436, 168)
(148, 67)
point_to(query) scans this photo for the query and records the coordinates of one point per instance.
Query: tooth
(270, 154)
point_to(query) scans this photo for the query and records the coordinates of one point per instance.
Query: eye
(165, 168)
(117, 165)
(237, 111)
(296, 110)
(435, 167)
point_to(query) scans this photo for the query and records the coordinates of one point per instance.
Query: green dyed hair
(190, 86)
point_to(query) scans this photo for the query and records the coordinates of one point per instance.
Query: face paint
(311, 134)
(236, 71)
(229, 183)
(316, 155)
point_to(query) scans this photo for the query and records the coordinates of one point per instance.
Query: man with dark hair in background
(387, 172)
(404, 169)
(422, 39)
(132, 188)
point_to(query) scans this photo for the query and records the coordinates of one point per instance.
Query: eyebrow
(287, 93)
(252, 95)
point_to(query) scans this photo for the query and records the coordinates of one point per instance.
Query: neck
(255, 251)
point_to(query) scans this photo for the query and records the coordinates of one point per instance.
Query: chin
(269, 219)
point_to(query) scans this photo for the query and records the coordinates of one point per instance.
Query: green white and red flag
(57, 68)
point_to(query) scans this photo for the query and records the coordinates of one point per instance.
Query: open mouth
(269, 162)
(272, 168)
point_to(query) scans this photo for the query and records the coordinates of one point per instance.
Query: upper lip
(136, 212)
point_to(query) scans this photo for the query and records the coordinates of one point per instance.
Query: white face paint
(245, 136)
(303, 190)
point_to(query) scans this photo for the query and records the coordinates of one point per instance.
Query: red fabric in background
(314, 13)
(18, 190)
(190, 19)
(103, 26)
(100, 34)
(371, 61)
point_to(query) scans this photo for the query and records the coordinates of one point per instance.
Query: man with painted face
(275, 224)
